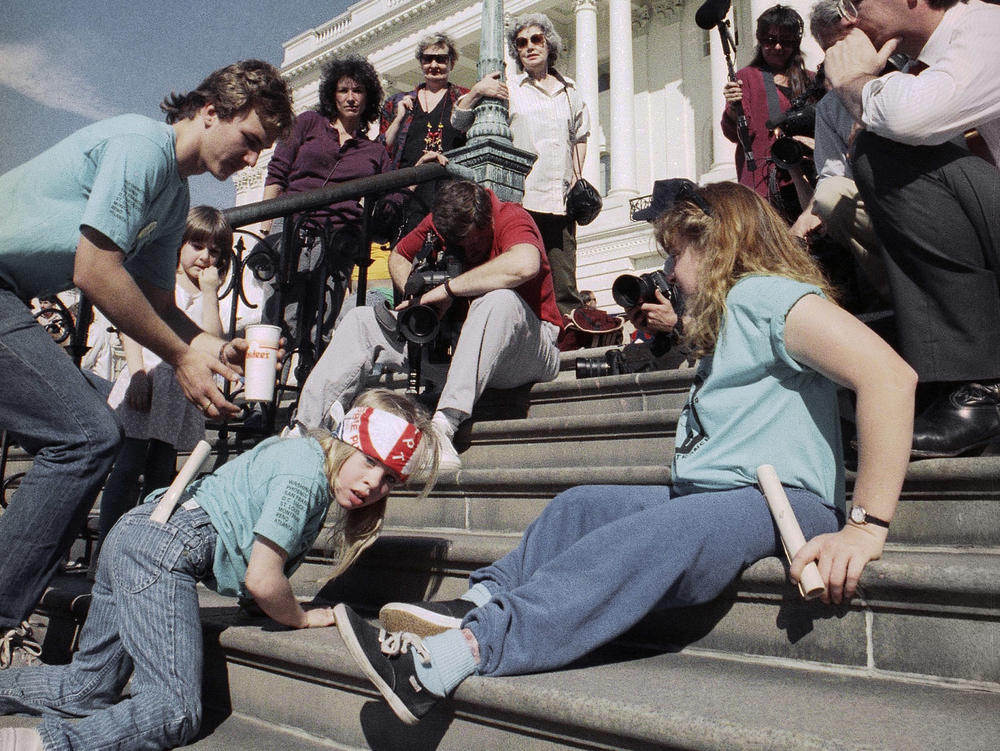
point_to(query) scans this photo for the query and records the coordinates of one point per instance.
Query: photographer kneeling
(509, 335)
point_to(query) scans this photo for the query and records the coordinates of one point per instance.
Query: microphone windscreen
(711, 12)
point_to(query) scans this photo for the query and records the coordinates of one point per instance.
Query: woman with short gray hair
(548, 117)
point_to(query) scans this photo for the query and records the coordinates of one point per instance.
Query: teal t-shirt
(277, 490)
(752, 403)
(118, 176)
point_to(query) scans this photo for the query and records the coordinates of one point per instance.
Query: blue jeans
(600, 557)
(54, 413)
(143, 622)
(153, 459)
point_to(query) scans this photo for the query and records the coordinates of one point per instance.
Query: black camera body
(638, 357)
(798, 120)
(629, 291)
(419, 324)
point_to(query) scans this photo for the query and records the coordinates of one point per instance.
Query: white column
(585, 12)
(623, 100)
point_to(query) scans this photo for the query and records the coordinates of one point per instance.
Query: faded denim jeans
(143, 622)
(599, 557)
(58, 416)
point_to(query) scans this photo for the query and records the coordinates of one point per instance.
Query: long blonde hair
(743, 236)
(354, 530)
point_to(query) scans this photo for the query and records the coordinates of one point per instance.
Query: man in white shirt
(836, 209)
(934, 204)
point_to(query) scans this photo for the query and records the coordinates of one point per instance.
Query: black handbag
(583, 202)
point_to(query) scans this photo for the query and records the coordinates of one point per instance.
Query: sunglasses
(772, 41)
(848, 10)
(441, 59)
(536, 39)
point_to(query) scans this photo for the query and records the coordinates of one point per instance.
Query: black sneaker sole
(402, 616)
(346, 628)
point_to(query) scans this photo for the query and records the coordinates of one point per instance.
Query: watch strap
(869, 519)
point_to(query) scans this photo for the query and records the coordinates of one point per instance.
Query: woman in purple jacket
(777, 65)
(328, 145)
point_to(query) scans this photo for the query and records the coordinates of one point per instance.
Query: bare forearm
(275, 597)
(885, 430)
(851, 93)
(100, 275)
(211, 319)
(133, 354)
(399, 269)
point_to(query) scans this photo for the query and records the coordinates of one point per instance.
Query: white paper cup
(260, 371)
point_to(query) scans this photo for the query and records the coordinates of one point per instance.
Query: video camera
(798, 120)
(419, 324)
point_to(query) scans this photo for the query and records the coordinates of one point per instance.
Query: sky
(67, 63)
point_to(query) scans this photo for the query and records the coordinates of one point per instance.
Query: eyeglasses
(848, 10)
(441, 59)
(536, 39)
(772, 41)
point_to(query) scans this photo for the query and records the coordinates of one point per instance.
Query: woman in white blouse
(548, 118)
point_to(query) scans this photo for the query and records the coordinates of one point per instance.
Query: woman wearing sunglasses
(775, 76)
(549, 118)
(418, 122)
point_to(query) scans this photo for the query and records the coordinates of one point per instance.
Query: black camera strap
(773, 115)
(773, 103)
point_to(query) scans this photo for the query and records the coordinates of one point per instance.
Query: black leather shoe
(966, 419)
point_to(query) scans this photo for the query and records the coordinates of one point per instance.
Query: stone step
(619, 698)
(933, 611)
(618, 395)
(643, 437)
(944, 501)
(225, 731)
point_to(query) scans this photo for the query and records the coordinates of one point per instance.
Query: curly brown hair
(361, 72)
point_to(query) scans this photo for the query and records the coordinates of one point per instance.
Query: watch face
(858, 515)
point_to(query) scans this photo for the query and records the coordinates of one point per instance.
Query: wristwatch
(859, 516)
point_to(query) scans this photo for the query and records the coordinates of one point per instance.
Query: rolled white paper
(810, 583)
(191, 468)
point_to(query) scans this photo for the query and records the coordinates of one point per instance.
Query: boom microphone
(711, 12)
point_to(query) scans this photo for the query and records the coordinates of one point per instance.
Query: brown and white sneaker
(18, 647)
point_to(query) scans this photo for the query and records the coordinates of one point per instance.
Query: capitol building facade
(653, 77)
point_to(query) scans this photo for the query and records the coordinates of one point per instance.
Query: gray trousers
(503, 344)
(936, 210)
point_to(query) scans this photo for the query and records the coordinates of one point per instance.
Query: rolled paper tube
(810, 583)
(191, 468)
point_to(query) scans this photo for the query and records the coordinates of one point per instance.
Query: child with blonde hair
(241, 530)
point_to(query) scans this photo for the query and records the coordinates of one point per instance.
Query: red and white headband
(383, 436)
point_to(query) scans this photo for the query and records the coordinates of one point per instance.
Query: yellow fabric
(379, 270)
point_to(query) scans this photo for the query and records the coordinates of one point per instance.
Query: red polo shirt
(512, 225)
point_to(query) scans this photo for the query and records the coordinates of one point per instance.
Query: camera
(629, 291)
(798, 120)
(638, 357)
(419, 324)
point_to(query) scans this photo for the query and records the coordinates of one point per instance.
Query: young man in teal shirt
(104, 210)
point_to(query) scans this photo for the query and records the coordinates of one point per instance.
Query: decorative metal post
(490, 151)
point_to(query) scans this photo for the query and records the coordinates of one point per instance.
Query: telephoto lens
(418, 324)
(629, 291)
